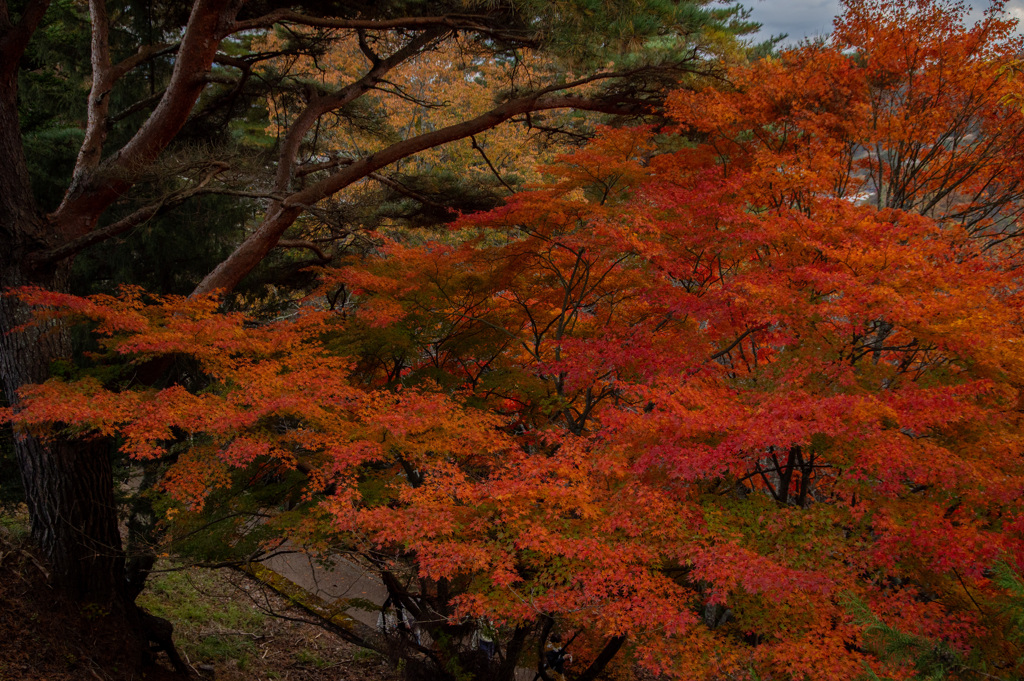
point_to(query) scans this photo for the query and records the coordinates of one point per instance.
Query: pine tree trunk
(69, 491)
(69, 487)
(68, 484)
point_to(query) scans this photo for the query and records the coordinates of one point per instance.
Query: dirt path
(340, 579)
(343, 579)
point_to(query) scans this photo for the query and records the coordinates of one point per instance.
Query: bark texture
(68, 485)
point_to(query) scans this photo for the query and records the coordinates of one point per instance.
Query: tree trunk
(68, 484)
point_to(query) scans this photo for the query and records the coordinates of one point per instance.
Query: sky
(810, 18)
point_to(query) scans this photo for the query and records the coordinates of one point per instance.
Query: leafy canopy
(740, 396)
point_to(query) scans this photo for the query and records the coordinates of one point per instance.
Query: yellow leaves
(451, 82)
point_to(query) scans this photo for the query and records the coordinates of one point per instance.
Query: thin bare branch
(138, 217)
(402, 189)
(491, 165)
(729, 348)
(322, 105)
(307, 168)
(145, 53)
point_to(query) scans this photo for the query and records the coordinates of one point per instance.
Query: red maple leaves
(697, 398)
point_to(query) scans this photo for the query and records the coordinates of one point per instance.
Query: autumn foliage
(735, 397)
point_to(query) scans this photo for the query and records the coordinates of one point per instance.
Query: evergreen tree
(125, 123)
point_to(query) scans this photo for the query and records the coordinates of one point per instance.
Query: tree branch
(491, 165)
(140, 216)
(322, 105)
(729, 348)
(288, 16)
(607, 653)
(136, 107)
(302, 243)
(402, 189)
(94, 191)
(145, 53)
(99, 102)
(365, 47)
(14, 40)
(236, 266)
(307, 168)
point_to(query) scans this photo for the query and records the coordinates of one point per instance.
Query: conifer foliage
(121, 121)
(739, 397)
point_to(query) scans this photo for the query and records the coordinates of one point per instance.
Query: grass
(218, 627)
(366, 655)
(14, 525)
(209, 628)
(308, 657)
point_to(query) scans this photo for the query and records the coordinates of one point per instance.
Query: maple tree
(177, 114)
(736, 398)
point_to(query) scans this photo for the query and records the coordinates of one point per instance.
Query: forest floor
(228, 627)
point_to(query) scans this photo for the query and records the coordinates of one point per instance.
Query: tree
(703, 401)
(201, 73)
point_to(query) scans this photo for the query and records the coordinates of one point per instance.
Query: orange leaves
(727, 381)
(609, 167)
(690, 394)
(194, 476)
(909, 34)
(919, 120)
(85, 404)
(267, 392)
(422, 425)
(787, 123)
(113, 314)
(943, 136)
